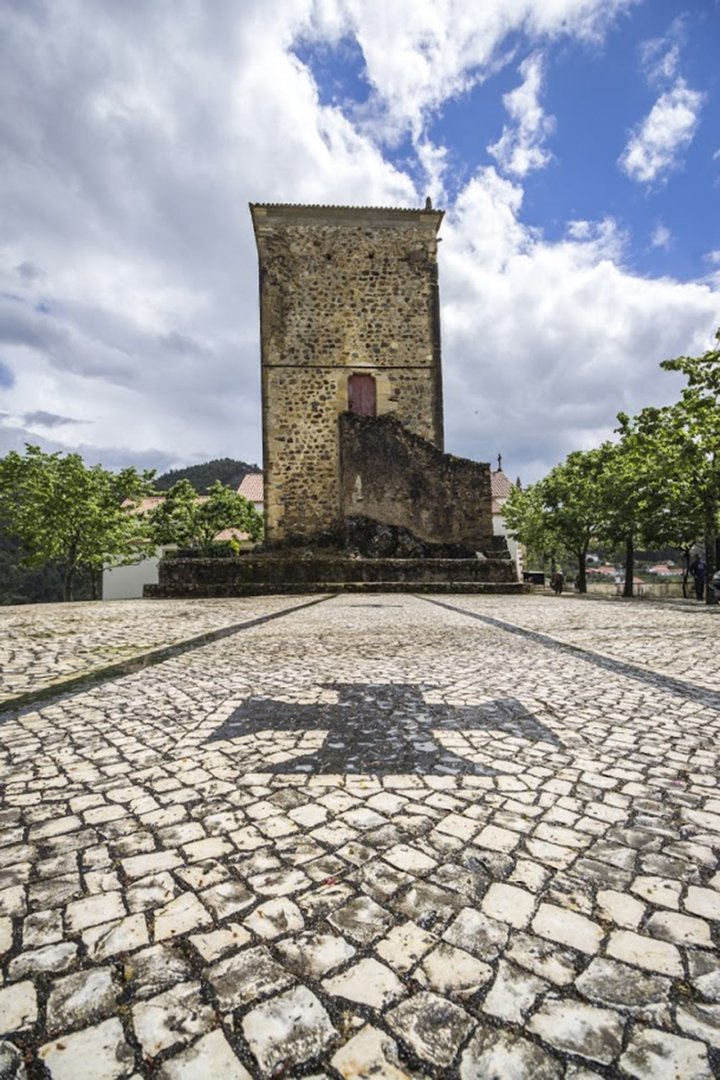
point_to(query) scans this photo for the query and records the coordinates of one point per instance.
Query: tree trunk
(68, 581)
(629, 565)
(582, 571)
(710, 537)
(95, 579)
(686, 571)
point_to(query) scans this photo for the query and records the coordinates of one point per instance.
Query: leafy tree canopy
(60, 509)
(185, 519)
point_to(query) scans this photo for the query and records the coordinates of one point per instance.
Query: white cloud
(520, 149)
(135, 135)
(421, 53)
(660, 56)
(656, 147)
(545, 342)
(661, 237)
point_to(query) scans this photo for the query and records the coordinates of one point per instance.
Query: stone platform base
(267, 575)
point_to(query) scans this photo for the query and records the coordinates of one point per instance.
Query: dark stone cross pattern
(381, 729)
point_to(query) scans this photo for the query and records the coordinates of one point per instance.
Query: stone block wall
(391, 475)
(342, 291)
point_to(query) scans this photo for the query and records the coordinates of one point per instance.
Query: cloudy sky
(575, 145)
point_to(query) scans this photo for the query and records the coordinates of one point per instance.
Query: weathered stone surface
(173, 1017)
(513, 993)
(104, 1045)
(448, 970)
(12, 1066)
(509, 904)
(370, 1053)
(433, 1027)
(121, 936)
(404, 946)
(59, 957)
(703, 902)
(645, 952)
(315, 954)
(180, 916)
(18, 1007)
(245, 976)
(567, 928)
(367, 983)
(656, 1055)
(81, 999)
(275, 918)
(362, 920)
(680, 929)
(151, 970)
(94, 910)
(500, 1054)
(619, 908)
(619, 986)
(335, 247)
(288, 1030)
(544, 958)
(477, 934)
(217, 942)
(210, 1056)
(591, 1033)
(144, 743)
(701, 1021)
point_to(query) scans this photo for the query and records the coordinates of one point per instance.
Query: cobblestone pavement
(45, 644)
(378, 836)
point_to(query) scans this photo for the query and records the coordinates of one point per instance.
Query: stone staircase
(260, 575)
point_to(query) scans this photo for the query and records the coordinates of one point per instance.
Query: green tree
(527, 520)
(189, 520)
(60, 509)
(620, 490)
(572, 499)
(695, 431)
(660, 490)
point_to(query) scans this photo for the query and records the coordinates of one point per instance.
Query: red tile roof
(232, 534)
(252, 487)
(500, 488)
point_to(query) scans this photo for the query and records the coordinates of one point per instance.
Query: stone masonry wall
(392, 476)
(342, 291)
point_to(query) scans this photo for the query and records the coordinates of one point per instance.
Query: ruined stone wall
(392, 476)
(342, 291)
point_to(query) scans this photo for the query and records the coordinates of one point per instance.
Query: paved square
(360, 836)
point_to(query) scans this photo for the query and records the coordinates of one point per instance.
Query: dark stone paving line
(709, 698)
(137, 663)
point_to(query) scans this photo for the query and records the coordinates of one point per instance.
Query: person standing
(697, 569)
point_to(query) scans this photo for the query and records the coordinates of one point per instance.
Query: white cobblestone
(555, 873)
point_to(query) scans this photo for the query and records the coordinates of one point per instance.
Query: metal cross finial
(499, 468)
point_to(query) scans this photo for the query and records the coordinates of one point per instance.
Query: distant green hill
(228, 471)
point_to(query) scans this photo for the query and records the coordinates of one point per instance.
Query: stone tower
(349, 322)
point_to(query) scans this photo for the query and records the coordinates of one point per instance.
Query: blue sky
(574, 144)
(597, 92)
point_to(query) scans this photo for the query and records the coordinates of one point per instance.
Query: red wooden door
(361, 395)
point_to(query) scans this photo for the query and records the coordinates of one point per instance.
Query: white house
(500, 488)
